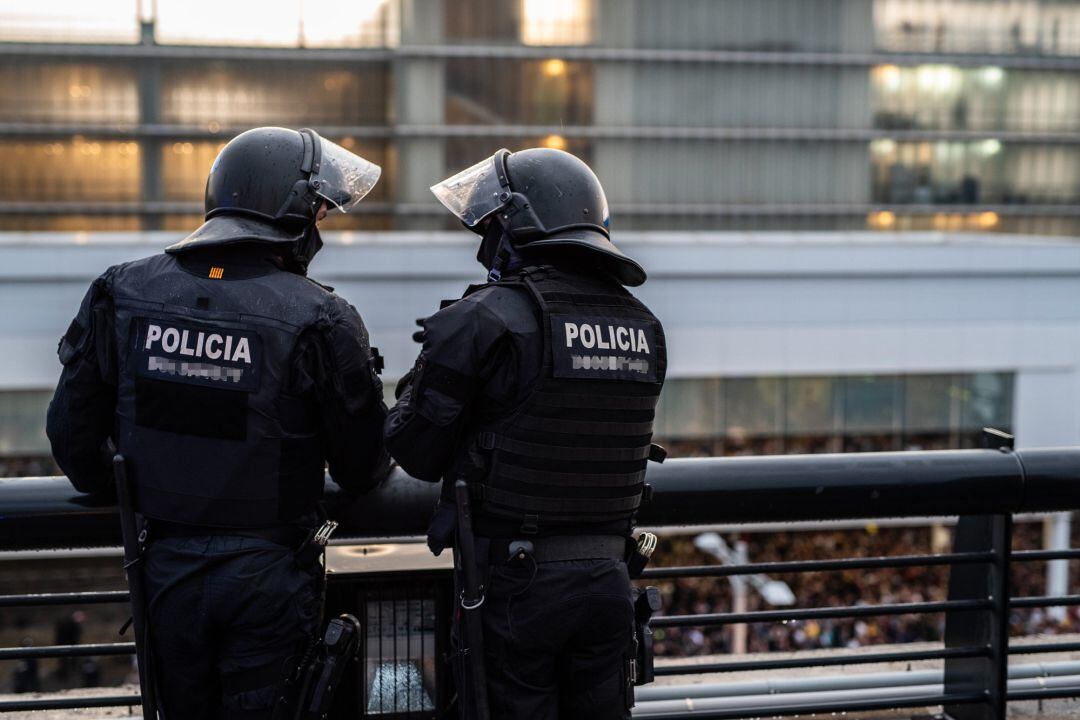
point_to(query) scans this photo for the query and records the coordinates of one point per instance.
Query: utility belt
(558, 548)
(289, 536)
(307, 544)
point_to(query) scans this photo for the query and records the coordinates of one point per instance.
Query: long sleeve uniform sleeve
(82, 412)
(465, 358)
(338, 366)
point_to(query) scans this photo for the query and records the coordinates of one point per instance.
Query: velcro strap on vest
(575, 507)
(551, 452)
(574, 480)
(579, 299)
(583, 427)
(595, 402)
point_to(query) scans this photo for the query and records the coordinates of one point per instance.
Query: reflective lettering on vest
(591, 347)
(166, 345)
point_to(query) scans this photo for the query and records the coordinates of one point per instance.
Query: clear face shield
(340, 177)
(477, 192)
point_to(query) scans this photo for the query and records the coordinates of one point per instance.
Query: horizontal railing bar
(1037, 648)
(1071, 554)
(1037, 601)
(819, 613)
(69, 703)
(818, 565)
(1047, 694)
(788, 663)
(806, 708)
(62, 651)
(73, 598)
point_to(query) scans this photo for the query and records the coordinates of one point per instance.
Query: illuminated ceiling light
(884, 219)
(888, 75)
(556, 142)
(554, 67)
(937, 78)
(992, 75)
(213, 126)
(348, 142)
(884, 146)
(989, 147)
(988, 220)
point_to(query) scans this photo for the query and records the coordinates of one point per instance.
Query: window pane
(70, 21)
(688, 409)
(227, 94)
(871, 404)
(995, 26)
(539, 92)
(810, 406)
(930, 403)
(22, 422)
(752, 406)
(988, 401)
(67, 93)
(556, 22)
(299, 23)
(79, 169)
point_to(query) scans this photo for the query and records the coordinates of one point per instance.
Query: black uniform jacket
(351, 414)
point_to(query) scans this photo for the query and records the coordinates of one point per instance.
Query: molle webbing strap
(582, 427)
(590, 300)
(567, 506)
(583, 454)
(570, 480)
(595, 402)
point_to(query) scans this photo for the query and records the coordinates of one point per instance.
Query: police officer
(228, 380)
(538, 389)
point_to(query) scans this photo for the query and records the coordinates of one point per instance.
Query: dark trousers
(226, 613)
(557, 640)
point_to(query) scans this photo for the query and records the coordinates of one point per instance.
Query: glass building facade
(697, 114)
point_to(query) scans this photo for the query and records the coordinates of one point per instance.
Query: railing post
(987, 628)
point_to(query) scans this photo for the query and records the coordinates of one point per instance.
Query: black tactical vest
(574, 454)
(208, 433)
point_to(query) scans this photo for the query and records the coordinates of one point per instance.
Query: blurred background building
(869, 122)
(859, 216)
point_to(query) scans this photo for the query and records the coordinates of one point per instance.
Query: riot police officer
(228, 380)
(538, 390)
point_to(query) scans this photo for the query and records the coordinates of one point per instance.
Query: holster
(646, 603)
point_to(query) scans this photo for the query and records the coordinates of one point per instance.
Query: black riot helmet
(268, 184)
(541, 197)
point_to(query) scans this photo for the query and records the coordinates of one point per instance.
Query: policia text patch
(201, 355)
(603, 348)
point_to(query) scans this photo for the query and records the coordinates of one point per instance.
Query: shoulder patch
(603, 348)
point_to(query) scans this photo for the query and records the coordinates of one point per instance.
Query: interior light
(888, 76)
(989, 147)
(992, 75)
(884, 146)
(554, 67)
(556, 142)
(988, 220)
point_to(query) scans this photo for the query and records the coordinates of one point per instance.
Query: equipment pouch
(647, 602)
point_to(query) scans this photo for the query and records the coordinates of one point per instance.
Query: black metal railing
(407, 614)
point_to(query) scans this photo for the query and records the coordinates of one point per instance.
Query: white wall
(733, 304)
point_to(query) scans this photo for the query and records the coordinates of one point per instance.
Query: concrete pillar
(149, 79)
(420, 100)
(615, 92)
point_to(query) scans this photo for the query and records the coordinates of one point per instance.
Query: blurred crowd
(838, 589)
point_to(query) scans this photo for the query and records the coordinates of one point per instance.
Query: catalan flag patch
(216, 273)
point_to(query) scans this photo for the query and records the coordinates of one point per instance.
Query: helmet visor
(476, 192)
(343, 178)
